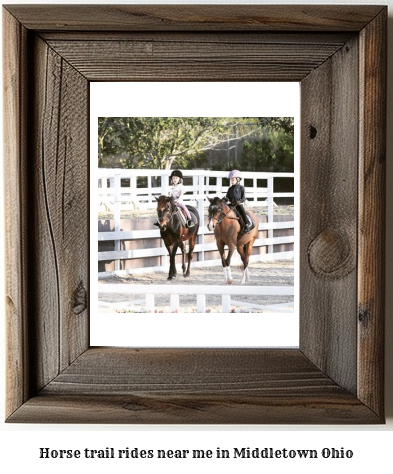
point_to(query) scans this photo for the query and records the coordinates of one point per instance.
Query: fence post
(270, 209)
(150, 303)
(226, 303)
(219, 185)
(174, 303)
(201, 211)
(164, 184)
(255, 190)
(201, 303)
(133, 191)
(103, 186)
(116, 211)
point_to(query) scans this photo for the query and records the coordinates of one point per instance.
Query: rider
(236, 196)
(177, 193)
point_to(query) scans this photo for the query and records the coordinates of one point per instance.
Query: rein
(175, 211)
(224, 215)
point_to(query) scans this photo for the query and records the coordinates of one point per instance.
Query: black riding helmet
(177, 173)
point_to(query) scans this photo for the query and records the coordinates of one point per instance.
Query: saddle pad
(251, 223)
(183, 217)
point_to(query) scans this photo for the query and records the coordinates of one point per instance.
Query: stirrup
(190, 223)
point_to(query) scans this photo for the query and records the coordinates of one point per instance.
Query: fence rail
(200, 291)
(132, 190)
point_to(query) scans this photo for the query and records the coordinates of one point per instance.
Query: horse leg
(227, 261)
(242, 251)
(172, 266)
(247, 253)
(191, 245)
(220, 248)
(169, 248)
(183, 256)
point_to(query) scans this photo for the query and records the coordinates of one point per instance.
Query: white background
(372, 445)
(199, 99)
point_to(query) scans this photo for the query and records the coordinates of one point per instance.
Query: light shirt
(177, 192)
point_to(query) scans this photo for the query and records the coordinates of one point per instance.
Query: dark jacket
(236, 193)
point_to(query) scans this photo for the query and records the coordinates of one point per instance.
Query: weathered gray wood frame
(338, 54)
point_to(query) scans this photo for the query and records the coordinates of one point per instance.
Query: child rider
(236, 196)
(177, 193)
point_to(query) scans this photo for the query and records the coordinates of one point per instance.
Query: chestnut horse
(227, 231)
(174, 233)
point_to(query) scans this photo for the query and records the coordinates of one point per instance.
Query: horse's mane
(162, 200)
(216, 201)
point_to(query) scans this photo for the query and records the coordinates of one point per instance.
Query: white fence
(118, 191)
(200, 291)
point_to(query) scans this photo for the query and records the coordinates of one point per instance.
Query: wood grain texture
(52, 374)
(193, 386)
(372, 189)
(59, 175)
(328, 248)
(14, 148)
(220, 59)
(194, 17)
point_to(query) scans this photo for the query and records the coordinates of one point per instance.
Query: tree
(111, 138)
(284, 124)
(275, 153)
(161, 142)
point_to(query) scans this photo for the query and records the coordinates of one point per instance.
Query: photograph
(197, 214)
(196, 202)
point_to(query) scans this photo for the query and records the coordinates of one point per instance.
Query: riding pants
(183, 206)
(242, 213)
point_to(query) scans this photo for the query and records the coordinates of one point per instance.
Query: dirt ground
(277, 273)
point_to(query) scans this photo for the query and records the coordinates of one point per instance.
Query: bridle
(222, 216)
(173, 211)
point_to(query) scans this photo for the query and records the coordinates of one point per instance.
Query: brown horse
(174, 233)
(227, 231)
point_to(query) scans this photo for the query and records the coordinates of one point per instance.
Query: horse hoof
(229, 282)
(169, 278)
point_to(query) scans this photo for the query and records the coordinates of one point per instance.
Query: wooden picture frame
(338, 54)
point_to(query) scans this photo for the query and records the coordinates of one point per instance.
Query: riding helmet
(177, 173)
(235, 174)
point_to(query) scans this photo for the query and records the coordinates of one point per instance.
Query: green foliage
(181, 142)
(273, 153)
(278, 124)
(160, 142)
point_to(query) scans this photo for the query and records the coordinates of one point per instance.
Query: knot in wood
(330, 254)
(80, 299)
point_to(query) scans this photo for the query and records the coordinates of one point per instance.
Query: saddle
(250, 222)
(182, 215)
